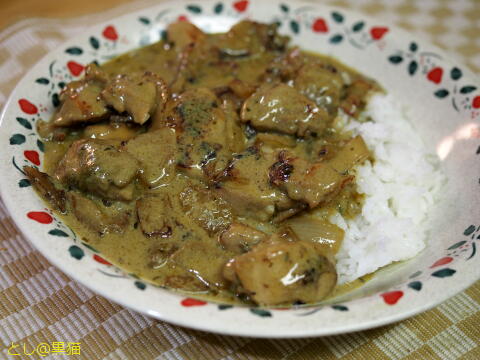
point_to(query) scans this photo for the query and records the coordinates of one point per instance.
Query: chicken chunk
(96, 217)
(212, 214)
(81, 100)
(245, 183)
(137, 94)
(183, 33)
(45, 186)
(97, 166)
(248, 37)
(156, 151)
(322, 84)
(201, 128)
(154, 216)
(283, 109)
(356, 96)
(282, 272)
(313, 183)
(239, 238)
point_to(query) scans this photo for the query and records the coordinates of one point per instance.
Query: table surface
(39, 304)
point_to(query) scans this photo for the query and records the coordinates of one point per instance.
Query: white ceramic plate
(443, 94)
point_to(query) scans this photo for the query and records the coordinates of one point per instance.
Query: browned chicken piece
(96, 217)
(274, 141)
(245, 183)
(241, 89)
(283, 109)
(44, 185)
(313, 183)
(356, 96)
(200, 124)
(239, 238)
(154, 215)
(322, 84)
(156, 151)
(209, 267)
(98, 167)
(183, 33)
(248, 38)
(212, 214)
(285, 67)
(81, 100)
(282, 272)
(137, 94)
(235, 137)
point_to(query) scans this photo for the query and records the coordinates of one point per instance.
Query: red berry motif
(476, 102)
(100, 260)
(192, 302)
(32, 156)
(27, 107)
(319, 25)
(241, 6)
(378, 32)
(392, 297)
(75, 68)
(182, 18)
(40, 216)
(110, 33)
(435, 75)
(442, 261)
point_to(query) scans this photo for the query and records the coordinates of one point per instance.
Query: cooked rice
(400, 187)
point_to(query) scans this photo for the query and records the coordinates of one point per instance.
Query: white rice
(400, 187)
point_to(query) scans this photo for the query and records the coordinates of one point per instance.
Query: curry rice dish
(221, 165)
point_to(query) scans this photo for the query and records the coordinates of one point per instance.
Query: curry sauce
(211, 163)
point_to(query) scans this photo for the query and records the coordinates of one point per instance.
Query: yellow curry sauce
(211, 163)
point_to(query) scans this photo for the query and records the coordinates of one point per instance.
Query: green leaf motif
(43, 81)
(163, 35)
(337, 17)
(58, 232)
(294, 26)
(444, 273)
(415, 285)
(457, 245)
(442, 93)
(415, 274)
(61, 84)
(94, 43)
(17, 139)
(55, 100)
(218, 8)
(413, 46)
(74, 51)
(76, 252)
(144, 20)
(284, 8)
(140, 285)
(456, 73)
(395, 59)
(194, 9)
(336, 39)
(261, 312)
(358, 26)
(25, 123)
(469, 230)
(41, 146)
(412, 67)
(224, 306)
(340, 307)
(468, 89)
(90, 247)
(24, 183)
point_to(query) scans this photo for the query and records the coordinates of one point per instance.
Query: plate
(443, 95)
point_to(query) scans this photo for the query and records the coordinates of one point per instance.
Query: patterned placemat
(45, 314)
